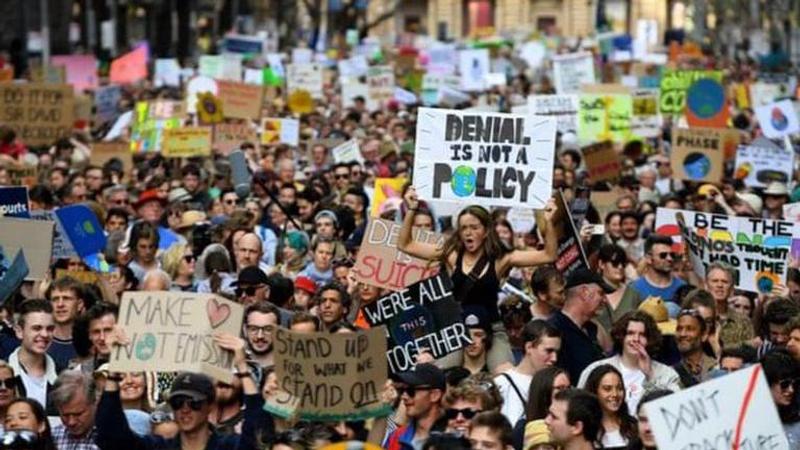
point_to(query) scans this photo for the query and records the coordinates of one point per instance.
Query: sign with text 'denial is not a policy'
(489, 159)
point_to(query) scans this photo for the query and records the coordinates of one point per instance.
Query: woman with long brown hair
(476, 261)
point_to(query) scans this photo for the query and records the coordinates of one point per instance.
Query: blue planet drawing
(463, 181)
(696, 165)
(705, 98)
(778, 119)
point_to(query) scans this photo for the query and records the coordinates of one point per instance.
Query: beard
(266, 351)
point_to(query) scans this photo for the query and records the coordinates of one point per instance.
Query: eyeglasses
(411, 390)
(255, 329)
(787, 383)
(180, 401)
(189, 258)
(8, 383)
(468, 413)
(157, 417)
(248, 290)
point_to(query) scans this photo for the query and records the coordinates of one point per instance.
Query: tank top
(482, 292)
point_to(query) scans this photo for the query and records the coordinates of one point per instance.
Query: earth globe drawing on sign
(705, 98)
(463, 181)
(778, 119)
(696, 165)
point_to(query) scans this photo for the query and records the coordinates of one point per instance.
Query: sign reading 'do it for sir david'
(490, 159)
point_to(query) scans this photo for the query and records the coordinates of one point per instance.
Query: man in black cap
(585, 294)
(422, 392)
(190, 398)
(253, 286)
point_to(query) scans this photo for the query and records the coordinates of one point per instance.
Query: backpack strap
(516, 389)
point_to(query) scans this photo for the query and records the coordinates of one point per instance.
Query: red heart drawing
(217, 313)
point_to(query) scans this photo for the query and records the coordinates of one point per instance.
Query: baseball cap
(305, 284)
(655, 308)
(476, 317)
(251, 275)
(197, 386)
(586, 276)
(425, 374)
(536, 433)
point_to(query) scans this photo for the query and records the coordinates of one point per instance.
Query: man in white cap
(775, 196)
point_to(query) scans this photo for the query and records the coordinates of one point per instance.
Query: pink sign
(81, 70)
(130, 67)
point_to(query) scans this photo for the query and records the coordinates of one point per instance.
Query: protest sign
(195, 87)
(23, 176)
(210, 66)
(147, 137)
(300, 102)
(347, 151)
(387, 195)
(432, 83)
(48, 74)
(762, 162)
(791, 212)
(473, 65)
(82, 228)
(602, 161)
(240, 100)
(167, 72)
(6, 74)
(763, 93)
(102, 152)
(106, 102)
(571, 255)
(707, 104)
(186, 142)
(81, 70)
(756, 249)
(240, 43)
(36, 237)
(380, 82)
(14, 201)
(778, 119)
(735, 411)
(231, 68)
(675, 84)
(229, 136)
(421, 316)
(280, 131)
(604, 116)
(302, 55)
(563, 107)
(646, 119)
(62, 247)
(39, 113)
(491, 159)
(329, 377)
(697, 154)
(306, 77)
(353, 89)
(380, 263)
(173, 332)
(571, 71)
(130, 67)
(12, 273)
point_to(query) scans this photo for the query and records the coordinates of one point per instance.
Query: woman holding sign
(477, 261)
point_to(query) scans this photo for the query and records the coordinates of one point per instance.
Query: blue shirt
(645, 289)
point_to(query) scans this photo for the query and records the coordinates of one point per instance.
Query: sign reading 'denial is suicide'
(756, 249)
(491, 159)
(423, 316)
(732, 412)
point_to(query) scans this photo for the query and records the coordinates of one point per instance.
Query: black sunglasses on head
(180, 401)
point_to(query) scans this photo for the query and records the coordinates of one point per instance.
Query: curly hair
(620, 329)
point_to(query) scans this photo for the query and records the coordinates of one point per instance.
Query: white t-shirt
(513, 405)
(614, 439)
(633, 380)
(35, 387)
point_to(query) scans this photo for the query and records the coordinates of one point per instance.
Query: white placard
(763, 161)
(167, 73)
(307, 77)
(563, 107)
(571, 71)
(778, 119)
(473, 66)
(196, 86)
(347, 151)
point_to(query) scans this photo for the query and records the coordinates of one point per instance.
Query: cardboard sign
(387, 195)
(36, 237)
(707, 104)
(473, 65)
(347, 151)
(39, 113)
(12, 273)
(130, 67)
(230, 136)
(240, 100)
(778, 119)
(563, 107)
(571, 71)
(306, 77)
(735, 411)
(646, 120)
(106, 103)
(102, 152)
(380, 82)
(6, 74)
(329, 377)
(173, 332)
(756, 249)
(187, 142)
(62, 247)
(380, 263)
(604, 116)
(490, 159)
(422, 316)
(81, 70)
(762, 162)
(571, 255)
(14, 202)
(697, 154)
(280, 131)
(602, 161)
(675, 84)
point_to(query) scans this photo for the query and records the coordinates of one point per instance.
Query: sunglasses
(411, 390)
(249, 290)
(468, 413)
(663, 255)
(189, 258)
(8, 383)
(341, 177)
(158, 417)
(180, 401)
(787, 383)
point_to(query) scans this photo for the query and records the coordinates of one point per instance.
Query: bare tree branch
(386, 15)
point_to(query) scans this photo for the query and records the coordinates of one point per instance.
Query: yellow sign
(388, 195)
(186, 142)
(300, 102)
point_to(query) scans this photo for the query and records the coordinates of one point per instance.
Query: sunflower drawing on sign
(300, 102)
(209, 108)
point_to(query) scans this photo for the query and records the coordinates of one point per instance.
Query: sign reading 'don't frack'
(39, 113)
(423, 316)
(173, 331)
(491, 159)
(329, 376)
